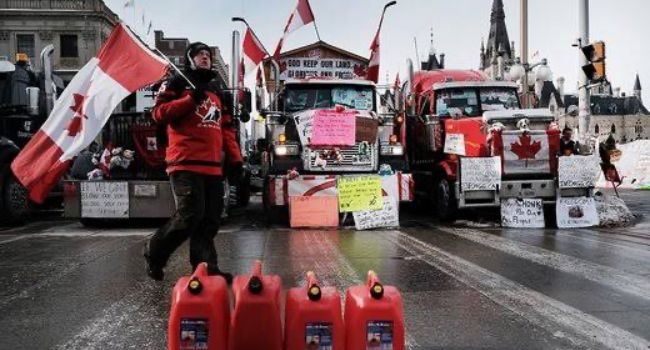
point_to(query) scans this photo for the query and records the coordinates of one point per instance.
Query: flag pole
(382, 14)
(240, 19)
(175, 68)
(314, 17)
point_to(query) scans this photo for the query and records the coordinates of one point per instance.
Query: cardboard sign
(642, 171)
(104, 199)
(522, 213)
(313, 211)
(576, 212)
(366, 129)
(331, 128)
(455, 144)
(388, 216)
(359, 193)
(480, 174)
(578, 171)
(304, 125)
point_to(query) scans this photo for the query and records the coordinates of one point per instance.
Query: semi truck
(456, 116)
(290, 165)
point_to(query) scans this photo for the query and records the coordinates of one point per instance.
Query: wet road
(68, 287)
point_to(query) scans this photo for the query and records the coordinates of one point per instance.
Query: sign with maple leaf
(525, 153)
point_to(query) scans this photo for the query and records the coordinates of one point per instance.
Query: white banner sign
(578, 171)
(576, 212)
(304, 123)
(522, 213)
(104, 199)
(480, 174)
(455, 144)
(306, 67)
(386, 217)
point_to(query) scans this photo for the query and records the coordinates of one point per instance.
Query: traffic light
(595, 54)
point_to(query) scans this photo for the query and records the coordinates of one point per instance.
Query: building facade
(174, 49)
(76, 28)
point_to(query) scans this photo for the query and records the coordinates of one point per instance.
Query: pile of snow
(633, 165)
(612, 211)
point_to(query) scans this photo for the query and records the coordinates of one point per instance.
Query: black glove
(235, 172)
(198, 94)
(177, 83)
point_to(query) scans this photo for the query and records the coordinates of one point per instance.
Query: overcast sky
(458, 28)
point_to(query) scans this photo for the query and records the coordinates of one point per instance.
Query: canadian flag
(373, 66)
(530, 152)
(299, 17)
(252, 52)
(122, 66)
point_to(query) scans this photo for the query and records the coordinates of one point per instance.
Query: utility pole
(523, 23)
(584, 109)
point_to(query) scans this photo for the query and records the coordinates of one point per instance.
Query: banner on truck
(359, 193)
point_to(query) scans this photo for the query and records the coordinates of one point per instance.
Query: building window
(613, 129)
(25, 44)
(171, 44)
(597, 129)
(69, 46)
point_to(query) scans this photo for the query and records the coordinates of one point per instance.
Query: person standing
(567, 145)
(199, 129)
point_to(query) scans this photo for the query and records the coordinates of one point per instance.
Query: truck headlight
(286, 150)
(391, 150)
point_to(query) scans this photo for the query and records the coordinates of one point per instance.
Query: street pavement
(469, 285)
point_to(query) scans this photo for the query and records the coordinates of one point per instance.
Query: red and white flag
(122, 66)
(397, 83)
(252, 51)
(373, 66)
(299, 17)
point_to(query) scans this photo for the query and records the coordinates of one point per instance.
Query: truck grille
(351, 158)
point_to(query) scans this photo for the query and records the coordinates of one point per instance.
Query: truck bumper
(399, 185)
(547, 190)
(108, 199)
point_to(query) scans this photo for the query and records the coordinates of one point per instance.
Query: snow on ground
(612, 211)
(633, 165)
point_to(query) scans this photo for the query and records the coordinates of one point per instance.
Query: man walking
(199, 127)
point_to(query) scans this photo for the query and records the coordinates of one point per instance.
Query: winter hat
(192, 50)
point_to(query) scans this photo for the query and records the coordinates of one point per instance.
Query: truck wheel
(244, 192)
(274, 214)
(16, 201)
(446, 204)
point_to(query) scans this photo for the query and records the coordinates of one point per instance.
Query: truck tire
(16, 204)
(446, 203)
(274, 214)
(244, 193)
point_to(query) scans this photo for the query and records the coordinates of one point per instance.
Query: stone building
(76, 28)
(174, 49)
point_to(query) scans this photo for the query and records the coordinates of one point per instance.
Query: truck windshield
(354, 97)
(471, 102)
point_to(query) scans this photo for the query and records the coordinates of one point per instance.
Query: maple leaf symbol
(525, 149)
(76, 123)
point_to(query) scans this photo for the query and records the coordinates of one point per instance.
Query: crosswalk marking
(611, 277)
(577, 327)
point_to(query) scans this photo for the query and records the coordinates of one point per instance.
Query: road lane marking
(13, 239)
(581, 329)
(611, 277)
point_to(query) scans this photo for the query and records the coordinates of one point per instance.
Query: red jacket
(198, 134)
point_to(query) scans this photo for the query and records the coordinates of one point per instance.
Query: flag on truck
(301, 16)
(122, 66)
(252, 51)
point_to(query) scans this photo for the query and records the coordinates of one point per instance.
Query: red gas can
(200, 312)
(256, 323)
(313, 318)
(374, 317)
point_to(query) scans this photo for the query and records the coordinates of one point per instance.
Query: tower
(498, 37)
(637, 88)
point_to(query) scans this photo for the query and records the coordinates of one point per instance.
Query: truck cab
(460, 115)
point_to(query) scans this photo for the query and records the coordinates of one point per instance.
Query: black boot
(154, 270)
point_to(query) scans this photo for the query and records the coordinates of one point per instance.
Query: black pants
(199, 203)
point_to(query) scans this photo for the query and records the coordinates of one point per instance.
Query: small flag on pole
(299, 17)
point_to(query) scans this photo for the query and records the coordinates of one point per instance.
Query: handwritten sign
(304, 124)
(359, 193)
(522, 213)
(388, 216)
(578, 171)
(455, 144)
(480, 174)
(576, 212)
(313, 211)
(366, 129)
(104, 199)
(642, 171)
(334, 129)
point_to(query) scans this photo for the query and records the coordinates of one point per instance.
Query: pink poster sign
(333, 128)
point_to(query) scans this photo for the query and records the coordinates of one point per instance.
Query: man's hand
(235, 172)
(177, 83)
